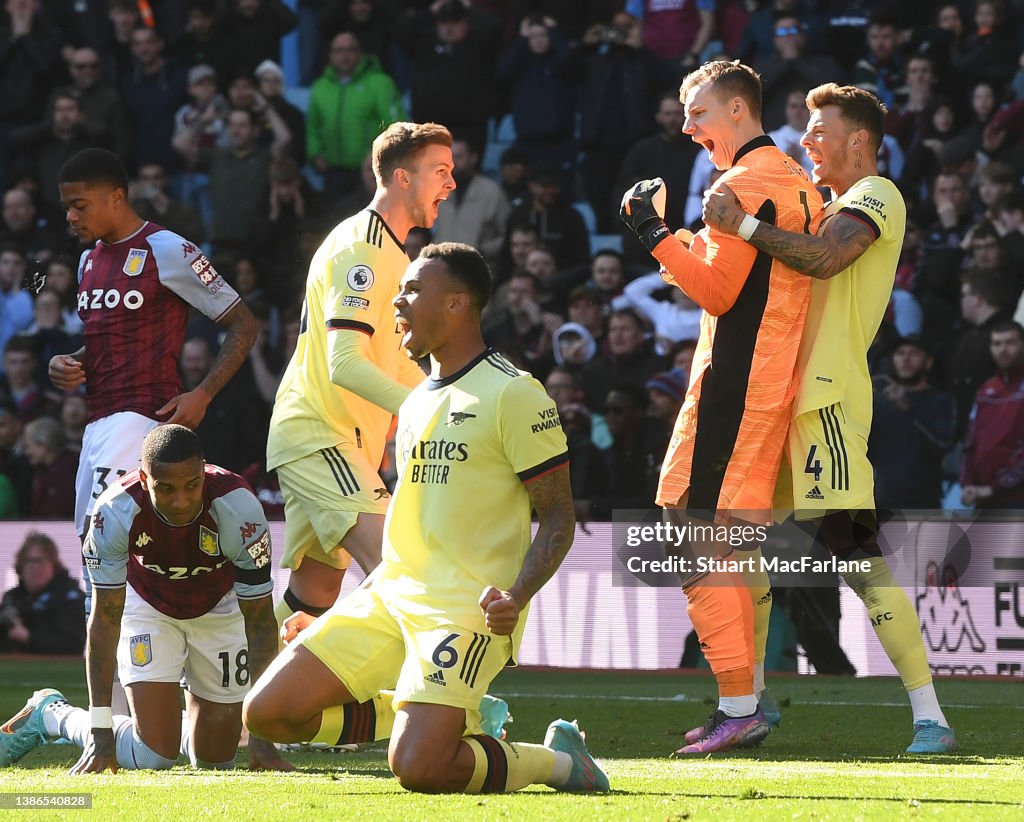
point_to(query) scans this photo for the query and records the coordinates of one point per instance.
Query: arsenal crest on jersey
(135, 262)
(209, 542)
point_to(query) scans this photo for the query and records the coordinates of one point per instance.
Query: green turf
(828, 761)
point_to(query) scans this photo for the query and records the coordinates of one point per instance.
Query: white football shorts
(208, 654)
(111, 447)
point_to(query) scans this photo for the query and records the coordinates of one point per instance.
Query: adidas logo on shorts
(437, 678)
(814, 493)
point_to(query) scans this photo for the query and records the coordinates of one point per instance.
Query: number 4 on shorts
(813, 466)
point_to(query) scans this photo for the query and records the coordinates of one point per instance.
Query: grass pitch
(838, 755)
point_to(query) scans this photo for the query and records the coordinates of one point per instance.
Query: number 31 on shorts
(101, 479)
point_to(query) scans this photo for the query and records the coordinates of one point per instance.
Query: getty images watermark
(737, 537)
(971, 551)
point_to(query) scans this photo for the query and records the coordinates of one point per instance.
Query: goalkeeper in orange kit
(724, 456)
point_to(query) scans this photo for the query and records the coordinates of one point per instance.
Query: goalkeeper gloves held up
(643, 207)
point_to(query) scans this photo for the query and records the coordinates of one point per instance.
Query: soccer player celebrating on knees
(850, 263)
(724, 456)
(349, 375)
(445, 610)
(179, 556)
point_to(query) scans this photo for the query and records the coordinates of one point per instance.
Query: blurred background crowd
(246, 127)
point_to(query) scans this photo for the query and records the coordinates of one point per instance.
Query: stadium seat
(298, 97)
(600, 242)
(501, 134)
(587, 213)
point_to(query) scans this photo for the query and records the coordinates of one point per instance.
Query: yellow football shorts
(369, 646)
(828, 466)
(324, 493)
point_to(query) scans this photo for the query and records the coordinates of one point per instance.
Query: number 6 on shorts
(445, 656)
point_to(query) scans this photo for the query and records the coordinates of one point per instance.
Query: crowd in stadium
(556, 108)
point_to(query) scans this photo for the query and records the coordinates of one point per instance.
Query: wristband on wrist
(654, 234)
(101, 717)
(748, 226)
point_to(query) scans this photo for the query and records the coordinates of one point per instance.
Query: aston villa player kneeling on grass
(179, 557)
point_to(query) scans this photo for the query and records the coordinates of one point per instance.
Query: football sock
(64, 721)
(896, 624)
(925, 704)
(503, 767)
(75, 725)
(356, 722)
(760, 588)
(737, 705)
(722, 615)
(188, 750)
(759, 677)
(132, 752)
(213, 766)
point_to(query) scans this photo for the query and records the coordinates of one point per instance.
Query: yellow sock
(503, 767)
(760, 588)
(895, 622)
(332, 720)
(356, 722)
(282, 610)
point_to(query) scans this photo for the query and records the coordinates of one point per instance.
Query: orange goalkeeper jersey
(727, 443)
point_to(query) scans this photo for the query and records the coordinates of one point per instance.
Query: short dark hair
(402, 143)
(574, 376)
(65, 94)
(608, 252)
(859, 108)
(529, 228)
(22, 343)
(248, 112)
(985, 230)
(466, 265)
(1003, 326)
(170, 444)
(1014, 201)
(997, 172)
(881, 18)
(93, 166)
(635, 393)
(986, 284)
(688, 344)
(523, 274)
(730, 78)
(632, 314)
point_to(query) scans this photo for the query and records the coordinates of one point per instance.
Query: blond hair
(730, 78)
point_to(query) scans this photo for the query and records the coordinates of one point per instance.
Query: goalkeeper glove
(643, 207)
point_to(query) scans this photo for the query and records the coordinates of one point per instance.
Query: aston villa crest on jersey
(209, 542)
(134, 263)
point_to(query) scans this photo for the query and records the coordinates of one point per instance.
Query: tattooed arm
(100, 660)
(101, 642)
(822, 256)
(841, 242)
(190, 408)
(261, 637)
(551, 496)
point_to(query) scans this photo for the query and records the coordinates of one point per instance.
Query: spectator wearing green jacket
(349, 104)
